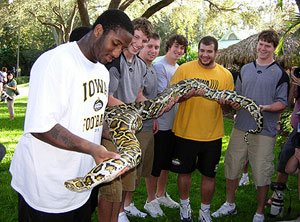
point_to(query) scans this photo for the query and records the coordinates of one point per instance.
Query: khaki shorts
(144, 169)
(259, 152)
(112, 191)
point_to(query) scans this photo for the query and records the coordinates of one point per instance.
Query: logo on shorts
(176, 162)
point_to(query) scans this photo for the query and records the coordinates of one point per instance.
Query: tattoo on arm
(58, 134)
(68, 142)
(55, 132)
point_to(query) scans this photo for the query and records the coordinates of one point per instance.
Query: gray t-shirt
(126, 79)
(265, 85)
(165, 72)
(149, 91)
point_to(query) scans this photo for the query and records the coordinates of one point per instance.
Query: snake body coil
(122, 119)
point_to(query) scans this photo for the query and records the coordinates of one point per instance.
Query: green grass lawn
(11, 131)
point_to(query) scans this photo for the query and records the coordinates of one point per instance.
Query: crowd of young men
(186, 138)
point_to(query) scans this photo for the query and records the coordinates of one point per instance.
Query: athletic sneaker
(225, 209)
(185, 213)
(167, 201)
(244, 180)
(122, 217)
(131, 210)
(153, 208)
(204, 216)
(258, 218)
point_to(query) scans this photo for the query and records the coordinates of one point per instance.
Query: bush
(190, 55)
(285, 125)
(22, 79)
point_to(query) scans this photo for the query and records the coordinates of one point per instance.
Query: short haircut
(113, 19)
(155, 36)
(78, 33)
(11, 73)
(4, 69)
(180, 39)
(208, 40)
(269, 36)
(143, 25)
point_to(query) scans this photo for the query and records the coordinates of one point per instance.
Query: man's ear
(98, 30)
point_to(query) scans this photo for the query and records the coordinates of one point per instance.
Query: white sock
(185, 202)
(121, 214)
(230, 204)
(260, 215)
(205, 207)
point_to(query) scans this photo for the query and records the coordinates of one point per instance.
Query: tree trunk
(298, 4)
(84, 15)
(156, 7)
(114, 4)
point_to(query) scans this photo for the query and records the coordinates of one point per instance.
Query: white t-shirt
(65, 88)
(4, 76)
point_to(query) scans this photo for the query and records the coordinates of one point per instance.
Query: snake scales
(122, 119)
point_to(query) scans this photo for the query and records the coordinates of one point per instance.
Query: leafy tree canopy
(44, 24)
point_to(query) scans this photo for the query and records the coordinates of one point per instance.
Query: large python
(125, 118)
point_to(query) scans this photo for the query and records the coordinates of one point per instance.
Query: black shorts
(190, 155)
(163, 151)
(82, 214)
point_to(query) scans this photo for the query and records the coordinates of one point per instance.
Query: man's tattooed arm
(62, 138)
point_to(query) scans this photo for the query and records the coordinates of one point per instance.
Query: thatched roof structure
(243, 52)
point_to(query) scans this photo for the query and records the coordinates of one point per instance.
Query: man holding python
(63, 123)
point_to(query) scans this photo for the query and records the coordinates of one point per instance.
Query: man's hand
(223, 101)
(100, 154)
(191, 93)
(235, 106)
(264, 107)
(171, 102)
(227, 104)
(155, 126)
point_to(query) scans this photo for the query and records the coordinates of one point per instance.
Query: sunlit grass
(11, 132)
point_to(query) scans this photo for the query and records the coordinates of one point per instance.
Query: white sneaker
(204, 216)
(122, 217)
(131, 210)
(185, 213)
(258, 218)
(167, 201)
(244, 180)
(225, 209)
(153, 208)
